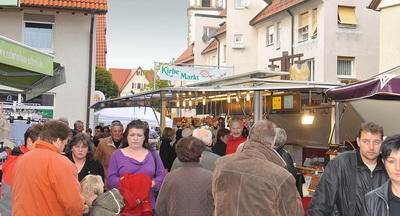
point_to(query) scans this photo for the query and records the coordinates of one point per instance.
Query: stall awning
(28, 69)
(384, 86)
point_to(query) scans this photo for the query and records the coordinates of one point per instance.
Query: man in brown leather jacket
(254, 181)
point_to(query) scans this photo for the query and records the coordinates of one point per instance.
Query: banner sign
(20, 56)
(9, 3)
(184, 73)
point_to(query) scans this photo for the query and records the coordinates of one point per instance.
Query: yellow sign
(277, 103)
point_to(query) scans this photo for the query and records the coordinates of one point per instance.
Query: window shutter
(347, 15)
(39, 17)
(303, 20)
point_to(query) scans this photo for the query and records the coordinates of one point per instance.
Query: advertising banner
(197, 74)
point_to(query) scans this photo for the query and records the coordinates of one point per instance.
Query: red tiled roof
(374, 4)
(121, 76)
(275, 7)
(101, 42)
(211, 47)
(221, 29)
(187, 55)
(96, 6)
(131, 74)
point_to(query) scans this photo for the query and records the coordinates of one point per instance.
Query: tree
(105, 84)
(158, 83)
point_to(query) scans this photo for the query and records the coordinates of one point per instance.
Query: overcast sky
(140, 32)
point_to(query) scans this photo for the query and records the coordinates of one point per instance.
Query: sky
(140, 32)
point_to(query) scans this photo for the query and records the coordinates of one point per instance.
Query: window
(240, 4)
(205, 3)
(278, 35)
(208, 33)
(238, 41)
(224, 54)
(303, 27)
(314, 23)
(270, 35)
(345, 67)
(310, 64)
(39, 35)
(347, 16)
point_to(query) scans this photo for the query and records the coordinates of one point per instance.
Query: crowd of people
(196, 172)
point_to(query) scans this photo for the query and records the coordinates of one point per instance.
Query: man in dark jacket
(351, 175)
(280, 141)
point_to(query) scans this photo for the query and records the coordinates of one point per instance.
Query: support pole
(258, 105)
(163, 113)
(337, 124)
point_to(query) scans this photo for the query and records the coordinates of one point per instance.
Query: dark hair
(106, 127)
(99, 127)
(391, 144)
(189, 149)
(137, 124)
(88, 130)
(53, 130)
(78, 123)
(85, 139)
(33, 133)
(168, 132)
(222, 132)
(371, 128)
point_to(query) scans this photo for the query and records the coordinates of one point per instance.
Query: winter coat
(8, 170)
(207, 160)
(46, 183)
(288, 160)
(219, 148)
(254, 182)
(186, 191)
(109, 203)
(167, 153)
(233, 144)
(104, 151)
(343, 186)
(377, 201)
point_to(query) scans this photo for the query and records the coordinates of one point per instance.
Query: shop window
(314, 29)
(345, 67)
(310, 64)
(270, 35)
(303, 27)
(347, 16)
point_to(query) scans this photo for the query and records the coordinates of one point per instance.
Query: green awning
(28, 69)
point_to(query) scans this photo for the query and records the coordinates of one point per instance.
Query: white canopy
(127, 114)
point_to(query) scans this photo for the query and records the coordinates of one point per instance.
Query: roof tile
(275, 7)
(211, 47)
(187, 55)
(98, 6)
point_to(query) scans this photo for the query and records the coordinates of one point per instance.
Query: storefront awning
(28, 69)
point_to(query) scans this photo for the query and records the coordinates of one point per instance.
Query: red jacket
(233, 144)
(8, 166)
(135, 188)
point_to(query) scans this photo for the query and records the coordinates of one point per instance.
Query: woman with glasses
(80, 151)
(385, 200)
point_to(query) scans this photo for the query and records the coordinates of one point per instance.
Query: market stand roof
(251, 81)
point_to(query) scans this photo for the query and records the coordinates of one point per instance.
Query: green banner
(17, 55)
(9, 3)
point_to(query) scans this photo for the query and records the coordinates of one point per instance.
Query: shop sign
(21, 56)
(277, 103)
(9, 3)
(184, 73)
(98, 96)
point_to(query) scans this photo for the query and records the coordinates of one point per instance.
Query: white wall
(245, 59)
(389, 41)
(199, 44)
(331, 41)
(71, 49)
(192, 21)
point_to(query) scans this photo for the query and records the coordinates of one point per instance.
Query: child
(100, 204)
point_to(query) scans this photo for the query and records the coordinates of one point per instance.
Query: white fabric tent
(127, 114)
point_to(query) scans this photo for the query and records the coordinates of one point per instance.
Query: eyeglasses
(367, 142)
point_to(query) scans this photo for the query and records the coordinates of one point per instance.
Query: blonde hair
(92, 184)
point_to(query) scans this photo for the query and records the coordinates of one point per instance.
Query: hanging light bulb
(248, 96)
(184, 103)
(190, 93)
(177, 104)
(229, 98)
(204, 101)
(190, 103)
